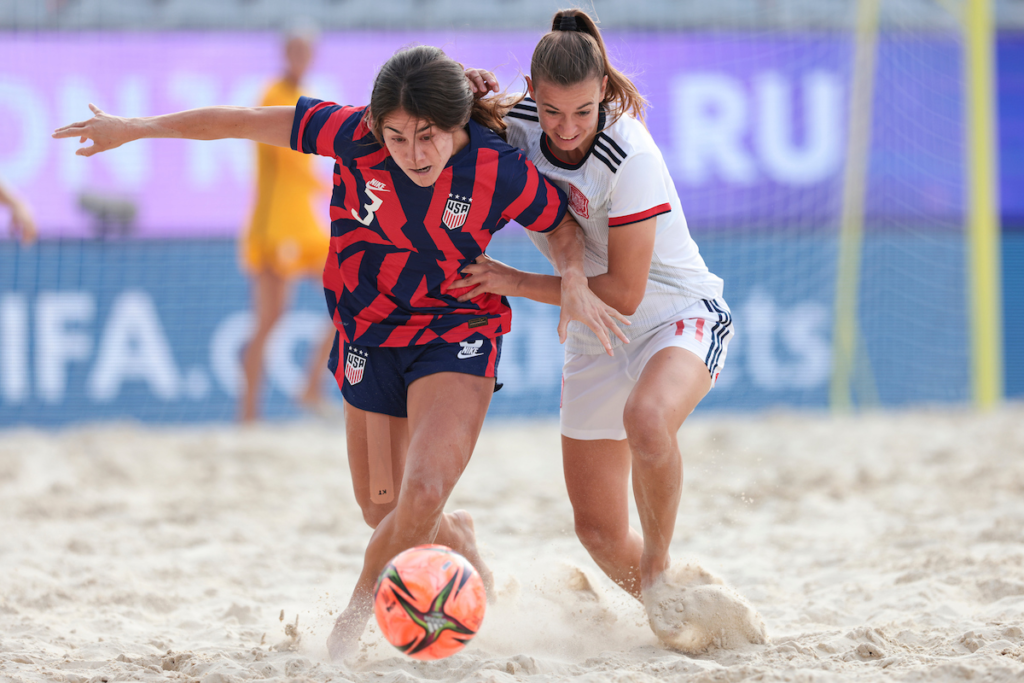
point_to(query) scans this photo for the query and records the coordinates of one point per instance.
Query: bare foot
(463, 541)
(344, 638)
(651, 569)
(693, 611)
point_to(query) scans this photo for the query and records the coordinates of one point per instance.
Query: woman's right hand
(481, 82)
(105, 131)
(578, 302)
(487, 276)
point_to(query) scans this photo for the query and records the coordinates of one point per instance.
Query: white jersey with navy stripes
(622, 180)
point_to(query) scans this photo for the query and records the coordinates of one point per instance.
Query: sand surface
(879, 547)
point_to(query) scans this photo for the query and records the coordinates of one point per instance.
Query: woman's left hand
(487, 276)
(481, 82)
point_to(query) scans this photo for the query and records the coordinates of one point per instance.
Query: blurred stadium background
(831, 157)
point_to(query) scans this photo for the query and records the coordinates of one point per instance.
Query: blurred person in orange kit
(22, 224)
(284, 240)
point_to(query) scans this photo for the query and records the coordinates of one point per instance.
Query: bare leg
(597, 478)
(270, 295)
(597, 473)
(312, 394)
(672, 384)
(446, 413)
(456, 529)
(355, 428)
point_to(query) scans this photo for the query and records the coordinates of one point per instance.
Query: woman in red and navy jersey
(421, 184)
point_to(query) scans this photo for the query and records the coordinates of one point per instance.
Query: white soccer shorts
(595, 387)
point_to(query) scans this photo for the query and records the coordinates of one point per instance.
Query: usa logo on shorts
(455, 212)
(355, 365)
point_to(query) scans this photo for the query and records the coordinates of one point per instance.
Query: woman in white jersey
(582, 126)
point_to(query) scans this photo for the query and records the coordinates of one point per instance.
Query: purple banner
(753, 127)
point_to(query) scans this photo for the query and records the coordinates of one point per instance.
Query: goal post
(847, 354)
(852, 379)
(983, 230)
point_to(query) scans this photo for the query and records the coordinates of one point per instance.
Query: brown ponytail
(425, 83)
(573, 51)
(490, 112)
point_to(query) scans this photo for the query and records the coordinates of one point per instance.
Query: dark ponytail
(425, 83)
(573, 51)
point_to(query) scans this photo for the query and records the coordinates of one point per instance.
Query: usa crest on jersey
(355, 365)
(455, 211)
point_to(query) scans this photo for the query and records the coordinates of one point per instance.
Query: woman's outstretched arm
(269, 125)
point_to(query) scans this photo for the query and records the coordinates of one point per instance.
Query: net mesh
(133, 304)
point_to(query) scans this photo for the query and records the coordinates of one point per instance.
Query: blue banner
(154, 330)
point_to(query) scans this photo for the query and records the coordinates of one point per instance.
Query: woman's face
(568, 113)
(420, 148)
(298, 53)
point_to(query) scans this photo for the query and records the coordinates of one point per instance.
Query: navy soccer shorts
(377, 378)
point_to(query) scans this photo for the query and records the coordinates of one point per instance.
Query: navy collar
(545, 148)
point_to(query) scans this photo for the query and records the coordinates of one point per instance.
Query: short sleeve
(536, 203)
(640, 191)
(316, 127)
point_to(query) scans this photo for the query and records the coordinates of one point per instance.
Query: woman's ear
(529, 85)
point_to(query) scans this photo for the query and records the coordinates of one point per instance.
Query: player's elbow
(627, 302)
(628, 309)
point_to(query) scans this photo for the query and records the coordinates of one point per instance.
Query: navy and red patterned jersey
(396, 247)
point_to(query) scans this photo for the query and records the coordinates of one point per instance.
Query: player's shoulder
(309, 103)
(626, 136)
(485, 138)
(626, 139)
(522, 119)
(348, 121)
(330, 129)
(524, 110)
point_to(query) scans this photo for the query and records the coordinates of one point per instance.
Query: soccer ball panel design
(429, 602)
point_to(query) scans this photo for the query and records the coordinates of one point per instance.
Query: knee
(374, 514)
(597, 536)
(650, 430)
(589, 535)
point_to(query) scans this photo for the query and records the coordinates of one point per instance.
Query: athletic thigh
(597, 479)
(359, 459)
(670, 386)
(446, 414)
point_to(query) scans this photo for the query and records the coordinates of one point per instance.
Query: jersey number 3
(371, 208)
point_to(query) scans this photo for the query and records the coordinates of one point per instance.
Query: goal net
(820, 150)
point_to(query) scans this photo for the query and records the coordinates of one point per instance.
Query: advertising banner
(154, 330)
(753, 126)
